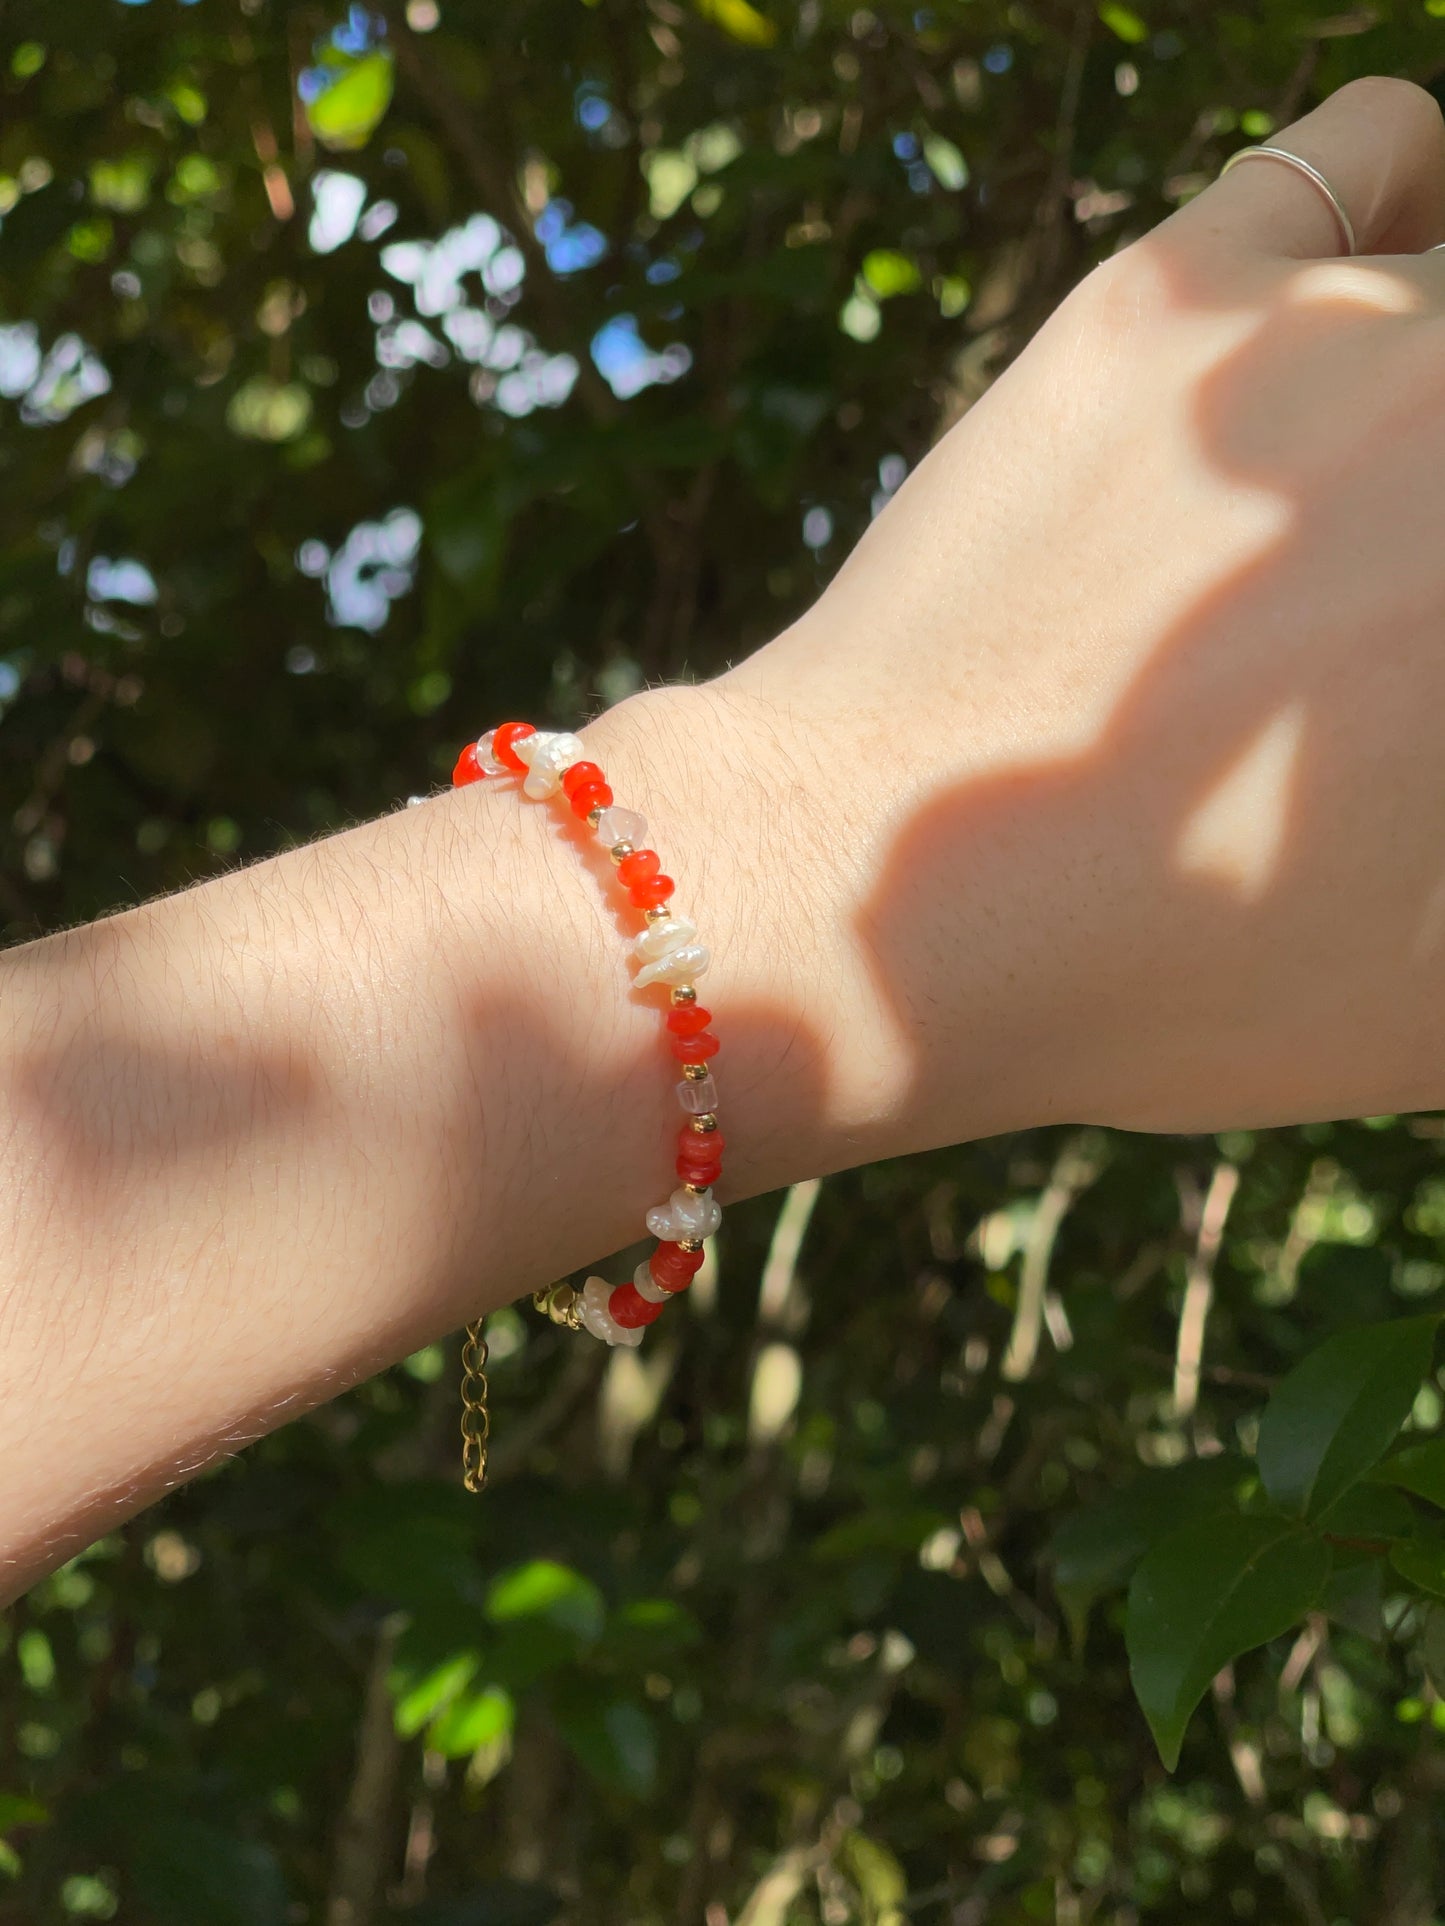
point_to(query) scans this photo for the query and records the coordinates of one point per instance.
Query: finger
(1381, 146)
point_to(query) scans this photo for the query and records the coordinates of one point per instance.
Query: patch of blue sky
(122, 579)
(628, 365)
(570, 245)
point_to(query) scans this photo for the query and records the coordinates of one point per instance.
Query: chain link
(476, 1418)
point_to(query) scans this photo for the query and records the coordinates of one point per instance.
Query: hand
(1123, 722)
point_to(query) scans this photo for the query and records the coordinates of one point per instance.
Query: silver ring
(1337, 206)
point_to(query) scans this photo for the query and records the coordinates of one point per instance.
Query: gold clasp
(558, 1302)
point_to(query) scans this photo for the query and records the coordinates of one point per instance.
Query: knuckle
(1123, 290)
(1385, 98)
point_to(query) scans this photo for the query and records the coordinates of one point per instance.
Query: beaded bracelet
(669, 955)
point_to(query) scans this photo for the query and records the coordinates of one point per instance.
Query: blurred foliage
(366, 374)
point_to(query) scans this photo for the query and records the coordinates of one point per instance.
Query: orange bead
(652, 893)
(638, 867)
(588, 796)
(670, 1260)
(700, 1174)
(630, 1308)
(688, 1019)
(696, 1049)
(579, 773)
(468, 769)
(502, 740)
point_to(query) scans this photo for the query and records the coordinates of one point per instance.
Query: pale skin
(1104, 783)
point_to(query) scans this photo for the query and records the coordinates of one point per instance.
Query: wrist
(939, 922)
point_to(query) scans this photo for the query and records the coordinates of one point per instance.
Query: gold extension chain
(476, 1419)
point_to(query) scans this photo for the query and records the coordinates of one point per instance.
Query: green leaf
(1094, 1551)
(1335, 1414)
(614, 1738)
(739, 21)
(346, 115)
(1431, 1647)
(1355, 1597)
(472, 1722)
(887, 272)
(419, 1700)
(878, 1876)
(189, 1869)
(1124, 22)
(1419, 1468)
(946, 161)
(1368, 1512)
(500, 1902)
(18, 1810)
(883, 1528)
(544, 1589)
(1422, 1562)
(1209, 1591)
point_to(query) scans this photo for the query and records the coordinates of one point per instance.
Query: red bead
(676, 1256)
(700, 1174)
(672, 1268)
(588, 796)
(468, 769)
(671, 1260)
(502, 740)
(696, 1049)
(653, 893)
(579, 773)
(702, 1144)
(685, 1166)
(637, 867)
(631, 1308)
(688, 1019)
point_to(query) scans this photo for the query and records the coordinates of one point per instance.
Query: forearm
(263, 1137)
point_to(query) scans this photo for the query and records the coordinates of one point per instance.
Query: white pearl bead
(548, 758)
(699, 1216)
(563, 750)
(684, 1215)
(682, 966)
(594, 1315)
(527, 748)
(668, 933)
(646, 1285)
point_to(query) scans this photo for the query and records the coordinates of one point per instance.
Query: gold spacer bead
(694, 1190)
(689, 1243)
(694, 1072)
(706, 1122)
(594, 816)
(559, 1303)
(620, 852)
(683, 995)
(658, 915)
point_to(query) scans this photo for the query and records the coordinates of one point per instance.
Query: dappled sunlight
(1370, 286)
(1236, 835)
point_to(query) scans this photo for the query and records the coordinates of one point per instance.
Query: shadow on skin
(245, 1118)
(1295, 975)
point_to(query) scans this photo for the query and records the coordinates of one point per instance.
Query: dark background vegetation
(758, 1628)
